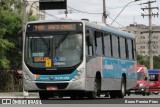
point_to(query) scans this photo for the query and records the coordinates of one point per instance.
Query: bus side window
(89, 46)
(98, 43)
(134, 49)
(122, 48)
(115, 46)
(126, 48)
(130, 49)
(107, 44)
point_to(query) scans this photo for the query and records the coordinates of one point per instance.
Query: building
(33, 7)
(142, 38)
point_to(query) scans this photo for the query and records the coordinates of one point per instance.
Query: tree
(10, 53)
(10, 25)
(143, 60)
(156, 63)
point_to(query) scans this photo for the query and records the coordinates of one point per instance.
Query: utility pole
(66, 13)
(150, 14)
(104, 12)
(24, 16)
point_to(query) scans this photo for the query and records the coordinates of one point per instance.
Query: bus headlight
(141, 85)
(79, 74)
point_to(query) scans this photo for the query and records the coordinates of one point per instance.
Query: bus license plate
(52, 88)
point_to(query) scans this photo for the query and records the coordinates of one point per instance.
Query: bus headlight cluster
(79, 74)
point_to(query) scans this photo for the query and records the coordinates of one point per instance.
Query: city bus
(78, 59)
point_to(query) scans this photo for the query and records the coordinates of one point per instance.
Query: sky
(132, 13)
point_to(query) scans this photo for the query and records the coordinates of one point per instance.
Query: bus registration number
(52, 88)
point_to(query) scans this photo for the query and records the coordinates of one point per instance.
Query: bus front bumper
(33, 86)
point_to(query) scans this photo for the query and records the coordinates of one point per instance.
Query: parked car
(143, 83)
(154, 76)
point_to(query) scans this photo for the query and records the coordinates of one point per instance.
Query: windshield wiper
(61, 40)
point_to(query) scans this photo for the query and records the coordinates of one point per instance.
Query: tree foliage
(10, 25)
(144, 60)
(10, 53)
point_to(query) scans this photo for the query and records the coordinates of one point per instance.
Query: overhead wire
(82, 11)
(47, 13)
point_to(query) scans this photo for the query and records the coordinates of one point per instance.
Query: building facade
(142, 39)
(33, 9)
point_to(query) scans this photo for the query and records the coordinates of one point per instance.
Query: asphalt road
(98, 102)
(128, 100)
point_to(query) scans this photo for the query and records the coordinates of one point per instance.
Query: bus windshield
(63, 49)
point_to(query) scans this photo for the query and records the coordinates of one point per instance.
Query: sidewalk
(17, 95)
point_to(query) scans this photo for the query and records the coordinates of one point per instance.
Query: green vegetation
(144, 60)
(10, 53)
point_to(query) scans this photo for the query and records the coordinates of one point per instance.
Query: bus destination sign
(52, 27)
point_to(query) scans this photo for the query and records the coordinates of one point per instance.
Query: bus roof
(106, 28)
(154, 71)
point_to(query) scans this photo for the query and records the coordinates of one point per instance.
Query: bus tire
(112, 94)
(148, 94)
(43, 95)
(156, 93)
(96, 91)
(122, 92)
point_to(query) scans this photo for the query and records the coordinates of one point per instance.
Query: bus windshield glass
(53, 50)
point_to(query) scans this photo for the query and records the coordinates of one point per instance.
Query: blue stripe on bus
(113, 68)
(65, 77)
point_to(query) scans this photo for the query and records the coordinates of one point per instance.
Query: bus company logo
(6, 101)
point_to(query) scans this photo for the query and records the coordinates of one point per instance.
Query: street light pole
(25, 93)
(123, 9)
